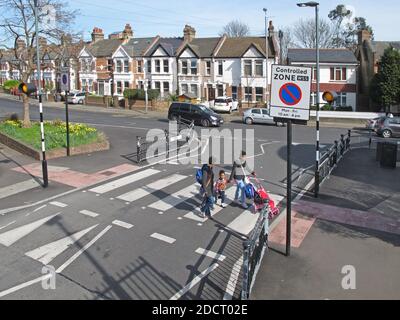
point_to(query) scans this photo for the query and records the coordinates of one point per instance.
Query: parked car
(388, 127)
(76, 97)
(372, 123)
(259, 115)
(200, 114)
(224, 104)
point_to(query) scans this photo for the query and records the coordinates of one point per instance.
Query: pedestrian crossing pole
(39, 87)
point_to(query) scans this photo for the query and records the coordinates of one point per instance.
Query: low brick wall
(97, 101)
(56, 153)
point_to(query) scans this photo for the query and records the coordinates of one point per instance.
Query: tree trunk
(27, 119)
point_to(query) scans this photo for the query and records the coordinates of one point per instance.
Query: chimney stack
(271, 29)
(97, 34)
(363, 35)
(189, 33)
(20, 44)
(42, 42)
(127, 33)
(66, 39)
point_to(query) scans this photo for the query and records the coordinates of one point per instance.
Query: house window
(259, 94)
(166, 87)
(259, 68)
(248, 93)
(184, 68)
(158, 66)
(234, 93)
(139, 66)
(208, 68)
(220, 90)
(157, 85)
(220, 68)
(119, 87)
(126, 85)
(119, 66)
(126, 66)
(166, 66)
(314, 74)
(193, 89)
(109, 65)
(313, 99)
(193, 67)
(184, 88)
(149, 66)
(341, 99)
(338, 74)
(247, 68)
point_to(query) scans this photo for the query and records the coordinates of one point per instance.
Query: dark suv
(388, 127)
(200, 114)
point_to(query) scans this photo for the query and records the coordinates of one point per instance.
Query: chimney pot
(189, 33)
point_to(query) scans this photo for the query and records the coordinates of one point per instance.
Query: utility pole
(266, 53)
(38, 73)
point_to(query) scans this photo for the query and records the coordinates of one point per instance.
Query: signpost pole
(289, 188)
(317, 177)
(67, 120)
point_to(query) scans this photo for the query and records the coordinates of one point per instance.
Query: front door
(101, 88)
(211, 92)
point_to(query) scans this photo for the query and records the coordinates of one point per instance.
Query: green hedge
(10, 84)
(327, 107)
(139, 94)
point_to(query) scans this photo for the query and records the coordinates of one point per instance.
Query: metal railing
(142, 143)
(253, 252)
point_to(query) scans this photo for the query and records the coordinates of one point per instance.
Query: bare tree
(304, 34)
(236, 29)
(286, 42)
(18, 31)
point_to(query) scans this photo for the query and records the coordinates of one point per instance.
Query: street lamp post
(317, 158)
(266, 53)
(39, 87)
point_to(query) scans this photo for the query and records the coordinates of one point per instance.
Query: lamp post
(280, 35)
(39, 87)
(266, 53)
(315, 5)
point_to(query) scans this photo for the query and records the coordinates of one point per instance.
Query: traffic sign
(290, 92)
(64, 82)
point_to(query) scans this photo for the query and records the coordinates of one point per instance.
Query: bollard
(342, 145)
(348, 140)
(166, 143)
(335, 155)
(138, 147)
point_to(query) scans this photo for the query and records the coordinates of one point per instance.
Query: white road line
(10, 237)
(122, 224)
(176, 198)
(233, 279)
(87, 246)
(8, 224)
(123, 181)
(210, 254)
(150, 188)
(18, 188)
(58, 204)
(195, 281)
(89, 213)
(40, 208)
(163, 238)
(45, 254)
(24, 285)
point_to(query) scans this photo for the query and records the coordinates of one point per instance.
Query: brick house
(5, 66)
(338, 73)
(369, 54)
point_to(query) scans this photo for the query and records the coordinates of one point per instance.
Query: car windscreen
(220, 101)
(204, 108)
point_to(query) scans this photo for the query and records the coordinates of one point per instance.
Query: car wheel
(80, 101)
(205, 123)
(386, 133)
(249, 121)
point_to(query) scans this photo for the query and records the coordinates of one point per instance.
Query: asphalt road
(139, 236)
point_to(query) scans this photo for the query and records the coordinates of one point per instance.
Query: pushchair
(261, 198)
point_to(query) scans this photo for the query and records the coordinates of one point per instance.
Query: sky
(168, 17)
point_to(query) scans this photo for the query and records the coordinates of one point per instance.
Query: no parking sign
(64, 82)
(290, 92)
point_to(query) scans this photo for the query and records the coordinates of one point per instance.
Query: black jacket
(208, 180)
(237, 172)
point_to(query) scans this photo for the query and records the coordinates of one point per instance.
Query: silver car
(76, 98)
(259, 115)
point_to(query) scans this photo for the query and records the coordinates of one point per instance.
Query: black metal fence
(142, 142)
(253, 251)
(333, 155)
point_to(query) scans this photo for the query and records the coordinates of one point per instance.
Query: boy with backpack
(205, 176)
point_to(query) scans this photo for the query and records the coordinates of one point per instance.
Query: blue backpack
(199, 174)
(249, 191)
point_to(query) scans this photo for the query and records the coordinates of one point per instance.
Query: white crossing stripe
(124, 181)
(152, 187)
(10, 237)
(176, 198)
(233, 279)
(18, 188)
(89, 213)
(122, 224)
(194, 282)
(8, 224)
(210, 254)
(58, 204)
(163, 238)
(45, 254)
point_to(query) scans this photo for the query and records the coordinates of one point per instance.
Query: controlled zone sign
(64, 86)
(290, 92)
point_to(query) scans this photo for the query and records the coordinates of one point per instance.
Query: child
(220, 187)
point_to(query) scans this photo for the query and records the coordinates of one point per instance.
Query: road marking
(45, 254)
(123, 181)
(40, 208)
(122, 224)
(18, 188)
(87, 246)
(210, 254)
(163, 238)
(8, 224)
(59, 204)
(24, 285)
(150, 188)
(10, 237)
(233, 279)
(194, 282)
(89, 213)
(176, 198)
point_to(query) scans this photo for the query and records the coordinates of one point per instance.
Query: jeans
(240, 187)
(208, 205)
(220, 194)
